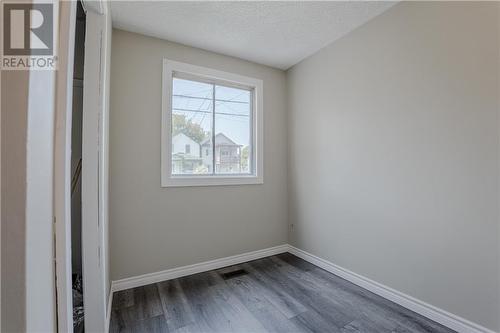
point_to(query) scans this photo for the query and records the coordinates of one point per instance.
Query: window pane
(232, 129)
(191, 127)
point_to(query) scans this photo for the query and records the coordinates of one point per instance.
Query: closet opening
(76, 171)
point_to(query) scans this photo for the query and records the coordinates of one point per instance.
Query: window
(214, 112)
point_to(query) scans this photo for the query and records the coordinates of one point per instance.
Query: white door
(94, 168)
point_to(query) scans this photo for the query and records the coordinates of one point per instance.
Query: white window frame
(214, 76)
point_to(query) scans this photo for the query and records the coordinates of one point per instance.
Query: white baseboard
(145, 279)
(443, 317)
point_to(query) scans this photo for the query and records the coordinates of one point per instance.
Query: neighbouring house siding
(227, 159)
(206, 155)
(227, 155)
(185, 154)
(179, 143)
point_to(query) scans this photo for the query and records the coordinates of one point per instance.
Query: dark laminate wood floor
(278, 294)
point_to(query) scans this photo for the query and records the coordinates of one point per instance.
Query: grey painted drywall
(498, 119)
(154, 228)
(393, 154)
(14, 126)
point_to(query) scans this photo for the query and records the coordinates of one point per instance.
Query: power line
(205, 98)
(223, 113)
(199, 108)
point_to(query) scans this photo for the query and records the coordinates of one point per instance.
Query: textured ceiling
(277, 34)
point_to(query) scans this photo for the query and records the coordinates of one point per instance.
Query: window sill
(225, 180)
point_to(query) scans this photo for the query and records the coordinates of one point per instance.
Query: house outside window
(214, 112)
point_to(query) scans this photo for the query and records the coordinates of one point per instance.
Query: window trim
(204, 74)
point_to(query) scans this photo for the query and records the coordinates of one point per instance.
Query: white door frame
(62, 165)
(94, 165)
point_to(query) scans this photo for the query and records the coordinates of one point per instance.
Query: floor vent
(233, 274)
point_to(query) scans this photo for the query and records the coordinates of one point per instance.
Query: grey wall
(407, 191)
(14, 127)
(154, 228)
(498, 119)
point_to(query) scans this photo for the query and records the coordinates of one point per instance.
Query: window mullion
(213, 129)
